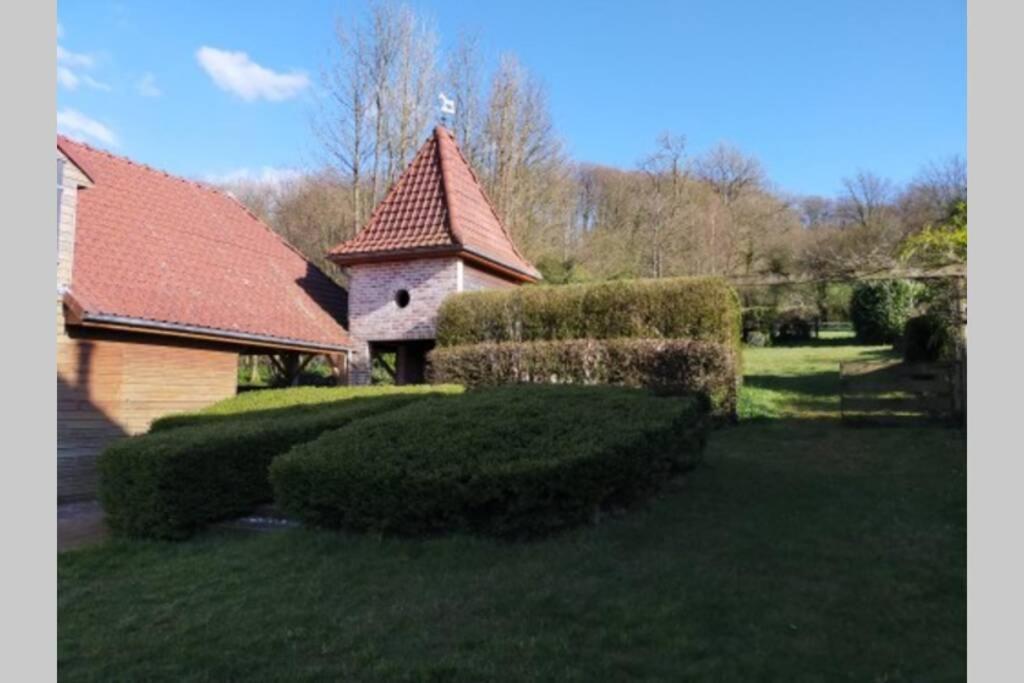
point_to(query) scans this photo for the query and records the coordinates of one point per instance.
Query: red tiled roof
(437, 205)
(154, 250)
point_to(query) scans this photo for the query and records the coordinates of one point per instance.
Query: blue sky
(816, 90)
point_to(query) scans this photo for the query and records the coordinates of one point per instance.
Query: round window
(402, 298)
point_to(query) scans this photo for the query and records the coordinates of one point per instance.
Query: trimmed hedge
(294, 401)
(792, 324)
(512, 461)
(668, 365)
(705, 309)
(879, 310)
(795, 324)
(172, 483)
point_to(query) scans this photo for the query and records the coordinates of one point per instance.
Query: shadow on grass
(821, 342)
(797, 535)
(815, 384)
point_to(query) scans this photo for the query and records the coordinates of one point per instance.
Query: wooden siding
(475, 279)
(73, 180)
(110, 385)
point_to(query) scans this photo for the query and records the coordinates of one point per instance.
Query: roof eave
(461, 251)
(83, 318)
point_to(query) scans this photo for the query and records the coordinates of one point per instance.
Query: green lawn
(800, 551)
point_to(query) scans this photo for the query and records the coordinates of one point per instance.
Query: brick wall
(374, 314)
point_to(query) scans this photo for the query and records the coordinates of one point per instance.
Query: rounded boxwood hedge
(173, 482)
(510, 461)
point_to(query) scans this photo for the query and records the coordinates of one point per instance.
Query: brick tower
(434, 233)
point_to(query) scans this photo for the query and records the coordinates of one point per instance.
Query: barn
(161, 284)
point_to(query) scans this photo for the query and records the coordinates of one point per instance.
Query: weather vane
(447, 108)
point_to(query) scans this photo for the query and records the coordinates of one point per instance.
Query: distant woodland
(677, 212)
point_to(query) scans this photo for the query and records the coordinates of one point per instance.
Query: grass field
(800, 551)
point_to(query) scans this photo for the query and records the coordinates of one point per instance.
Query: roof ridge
(490, 204)
(380, 207)
(202, 186)
(138, 164)
(455, 233)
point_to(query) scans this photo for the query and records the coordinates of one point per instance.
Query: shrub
(758, 339)
(795, 324)
(705, 309)
(511, 461)
(295, 401)
(173, 482)
(834, 304)
(759, 320)
(879, 310)
(928, 338)
(669, 365)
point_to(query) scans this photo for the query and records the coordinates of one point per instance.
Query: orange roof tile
(155, 250)
(437, 206)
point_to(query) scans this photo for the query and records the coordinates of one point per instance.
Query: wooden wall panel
(475, 279)
(111, 385)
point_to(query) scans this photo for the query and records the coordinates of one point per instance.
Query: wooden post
(339, 368)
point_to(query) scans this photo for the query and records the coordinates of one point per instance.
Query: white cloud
(75, 59)
(265, 175)
(146, 86)
(67, 77)
(69, 65)
(73, 123)
(236, 73)
(93, 83)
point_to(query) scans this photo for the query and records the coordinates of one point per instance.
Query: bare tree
(464, 84)
(866, 199)
(342, 117)
(816, 212)
(522, 163)
(932, 196)
(729, 171)
(378, 90)
(666, 180)
(410, 87)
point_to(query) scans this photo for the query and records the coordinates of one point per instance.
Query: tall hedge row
(704, 309)
(171, 483)
(669, 365)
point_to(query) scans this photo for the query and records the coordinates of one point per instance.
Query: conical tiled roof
(437, 207)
